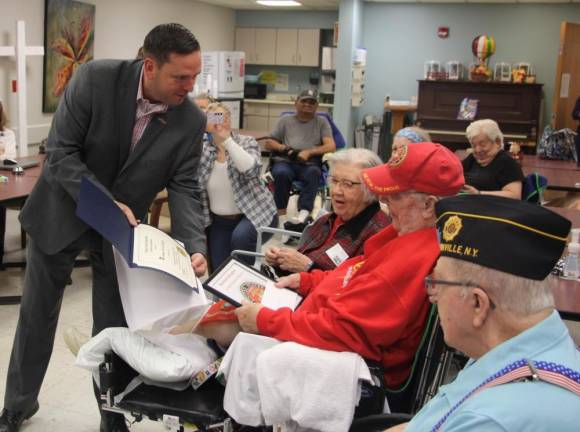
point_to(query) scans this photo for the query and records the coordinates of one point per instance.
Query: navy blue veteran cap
(504, 234)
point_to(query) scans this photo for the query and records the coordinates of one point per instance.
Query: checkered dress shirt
(144, 113)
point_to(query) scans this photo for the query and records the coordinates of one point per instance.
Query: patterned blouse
(351, 235)
(251, 196)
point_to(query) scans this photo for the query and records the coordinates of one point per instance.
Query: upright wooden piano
(516, 108)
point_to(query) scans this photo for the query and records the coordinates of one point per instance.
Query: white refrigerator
(222, 74)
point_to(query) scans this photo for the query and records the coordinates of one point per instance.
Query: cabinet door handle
(299, 58)
(294, 58)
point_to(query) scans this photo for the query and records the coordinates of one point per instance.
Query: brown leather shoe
(10, 421)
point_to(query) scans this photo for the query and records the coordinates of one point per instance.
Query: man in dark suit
(129, 126)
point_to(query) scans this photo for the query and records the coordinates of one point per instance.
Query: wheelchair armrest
(271, 230)
(108, 378)
(237, 252)
(378, 422)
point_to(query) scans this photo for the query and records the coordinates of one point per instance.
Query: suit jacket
(91, 136)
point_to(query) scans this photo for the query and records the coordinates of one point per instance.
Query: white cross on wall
(21, 51)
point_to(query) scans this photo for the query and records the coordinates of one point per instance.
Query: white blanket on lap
(304, 388)
(158, 364)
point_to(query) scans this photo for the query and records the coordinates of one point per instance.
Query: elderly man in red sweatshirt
(374, 304)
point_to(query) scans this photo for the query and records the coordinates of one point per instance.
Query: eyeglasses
(344, 184)
(430, 284)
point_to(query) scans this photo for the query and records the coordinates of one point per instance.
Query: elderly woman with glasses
(339, 235)
(490, 170)
(374, 304)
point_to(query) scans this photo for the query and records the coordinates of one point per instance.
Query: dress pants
(285, 173)
(44, 283)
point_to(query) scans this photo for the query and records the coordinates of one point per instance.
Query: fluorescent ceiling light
(278, 3)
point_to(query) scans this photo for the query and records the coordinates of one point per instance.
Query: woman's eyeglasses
(344, 184)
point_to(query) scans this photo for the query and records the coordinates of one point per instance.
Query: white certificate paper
(154, 249)
(238, 283)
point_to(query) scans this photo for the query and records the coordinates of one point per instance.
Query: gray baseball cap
(308, 94)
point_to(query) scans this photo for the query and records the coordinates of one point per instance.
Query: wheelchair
(202, 409)
(297, 185)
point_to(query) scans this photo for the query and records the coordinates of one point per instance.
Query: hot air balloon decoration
(482, 47)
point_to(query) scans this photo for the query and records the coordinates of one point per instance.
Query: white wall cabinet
(308, 52)
(284, 47)
(259, 44)
(297, 47)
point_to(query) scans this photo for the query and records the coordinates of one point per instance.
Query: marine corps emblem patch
(398, 156)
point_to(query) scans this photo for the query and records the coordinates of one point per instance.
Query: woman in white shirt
(7, 150)
(235, 201)
(7, 138)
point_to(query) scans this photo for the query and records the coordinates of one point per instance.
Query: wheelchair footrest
(201, 407)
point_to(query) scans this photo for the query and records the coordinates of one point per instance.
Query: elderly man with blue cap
(492, 287)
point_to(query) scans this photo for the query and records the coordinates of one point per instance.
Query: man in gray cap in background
(298, 142)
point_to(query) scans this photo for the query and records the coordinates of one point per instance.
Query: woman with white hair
(490, 170)
(339, 235)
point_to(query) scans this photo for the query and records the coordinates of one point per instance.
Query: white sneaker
(74, 339)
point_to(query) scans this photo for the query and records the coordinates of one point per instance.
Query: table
(561, 175)
(533, 161)
(19, 186)
(558, 178)
(14, 192)
(399, 111)
(572, 215)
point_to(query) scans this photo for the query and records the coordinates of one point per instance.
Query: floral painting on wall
(69, 33)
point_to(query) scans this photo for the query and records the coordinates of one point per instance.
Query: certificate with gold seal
(237, 283)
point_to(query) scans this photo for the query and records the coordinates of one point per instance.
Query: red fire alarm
(14, 86)
(443, 32)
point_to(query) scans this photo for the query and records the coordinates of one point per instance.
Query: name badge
(337, 254)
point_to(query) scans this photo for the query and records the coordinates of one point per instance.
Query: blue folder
(98, 210)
